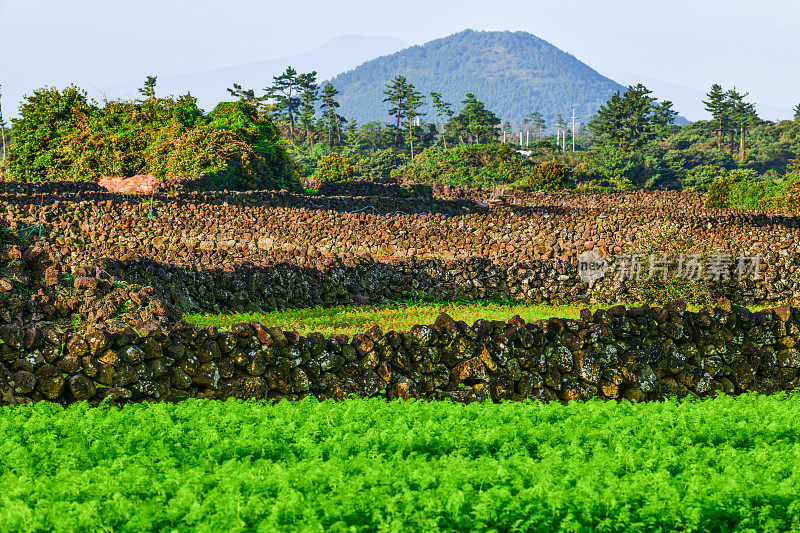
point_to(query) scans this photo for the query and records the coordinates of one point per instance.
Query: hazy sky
(754, 45)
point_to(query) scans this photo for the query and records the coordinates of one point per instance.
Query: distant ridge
(514, 73)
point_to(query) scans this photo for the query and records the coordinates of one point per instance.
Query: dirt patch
(141, 183)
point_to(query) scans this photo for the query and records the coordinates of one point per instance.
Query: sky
(693, 43)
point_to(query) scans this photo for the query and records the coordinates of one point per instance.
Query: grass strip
(399, 317)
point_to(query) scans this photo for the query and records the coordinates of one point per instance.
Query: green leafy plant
(429, 466)
(379, 163)
(548, 176)
(470, 165)
(62, 136)
(333, 167)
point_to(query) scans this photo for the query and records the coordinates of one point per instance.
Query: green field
(727, 464)
(399, 317)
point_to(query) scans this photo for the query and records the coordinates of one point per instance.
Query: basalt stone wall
(224, 252)
(638, 354)
(35, 289)
(355, 281)
(176, 230)
(387, 188)
(62, 196)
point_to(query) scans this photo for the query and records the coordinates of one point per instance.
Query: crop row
(723, 464)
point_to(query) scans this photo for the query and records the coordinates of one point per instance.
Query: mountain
(334, 56)
(688, 101)
(514, 73)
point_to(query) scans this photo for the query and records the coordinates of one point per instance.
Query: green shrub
(788, 194)
(547, 176)
(43, 144)
(718, 196)
(602, 187)
(741, 189)
(613, 164)
(251, 152)
(701, 177)
(469, 165)
(380, 163)
(333, 167)
(61, 136)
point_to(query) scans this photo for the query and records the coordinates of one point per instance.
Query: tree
(351, 133)
(743, 116)
(149, 89)
(719, 107)
(664, 116)
(245, 95)
(332, 118)
(333, 167)
(413, 103)
(396, 93)
(282, 92)
(797, 112)
(629, 121)
(307, 84)
(507, 128)
(562, 127)
(475, 121)
(47, 119)
(537, 123)
(2, 133)
(443, 110)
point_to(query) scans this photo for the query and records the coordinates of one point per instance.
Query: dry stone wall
(282, 285)
(207, 250)
(639, 354)
(244, 225)
(154, 257)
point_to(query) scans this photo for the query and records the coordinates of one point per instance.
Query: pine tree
(475, 121)
(149, 89)
(245, 95)
(537, 123)
(2, 133)
(797, 112)
(743, 116)
(351, 133)
(332, 118)
(283, 93)
(396, 93)
(307, 85)
(629, 121)
(719, 107)
(413, 103)
(443, 110)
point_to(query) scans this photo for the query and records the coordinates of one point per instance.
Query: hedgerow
(725, 464)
